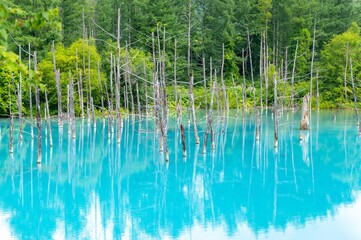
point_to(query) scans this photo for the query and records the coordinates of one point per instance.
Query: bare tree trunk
(261, 63)
(235, 93)
(101, 93)
(164, 94)
(84, 28)
(205, 83)
(146, 89)
(275, 110)
(293, 78)
(211, 126)
(93, 112)
(68, 106)
(285, 78)
(31, 114)
(80, 87)
(250, 59)
(209, 119)
(305, 112)
(244, 85)
(127, 79)
(191, 99)
(81, 95)
(189, 56)
(155, 77)
(312, 62)
(265, 68)
(258, 124)
(109, 111)
(318, 93)
(58, 86)
(162, 106)
(11, 140)
(355, 98)
(47, 113)
(226, 110)
(183, 141)
(38, 113)
(89, 90)
(20, 103)
(138, 99)
(117, 97)
(175, 80)
(30, 98)
(345, 76)
(71, 105)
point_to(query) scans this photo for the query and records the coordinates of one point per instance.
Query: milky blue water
(93, 188)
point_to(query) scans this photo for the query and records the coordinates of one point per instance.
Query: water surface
(94, 188)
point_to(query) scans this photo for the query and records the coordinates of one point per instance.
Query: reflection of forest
(92, 187)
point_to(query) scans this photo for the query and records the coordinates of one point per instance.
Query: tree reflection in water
(92, 187)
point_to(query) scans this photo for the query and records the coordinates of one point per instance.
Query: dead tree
(20, 103)
(223, 85)
(20, 111)
(258, 124)
(31, 113)
(275, 110)
(81, 95)
(80, 88)
(211, 126)
(138, 99)
(305, 113)
(317, 91)
(293, 78)
(38, 113)
(209, 119)
(93, 112)
(235, 93)
(162, 115)
(345, 75)
(191, 100)
(312, 62)
(58, 86)
(71, 106)
(30, 99)
(146, 89)
(68, 106)
(117, 88)
(183, 141)
(355, 98)
(11, 140)
(250, 62)
(175, 80)
(128, 80)
(265, 65)
(189, 58)
(261, 64)
(205, 83)
(244, 85)
(47, 114)
(89, 93)
(101, 93)
(285, 76)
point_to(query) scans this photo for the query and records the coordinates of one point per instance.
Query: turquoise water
(93, 188)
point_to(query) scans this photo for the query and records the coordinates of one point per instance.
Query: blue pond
(93, 188)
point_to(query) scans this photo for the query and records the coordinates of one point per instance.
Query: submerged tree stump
(305, 120)
(183, 141)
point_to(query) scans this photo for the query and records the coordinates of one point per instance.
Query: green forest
(307, 46)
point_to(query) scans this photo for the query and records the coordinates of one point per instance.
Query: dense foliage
(84, 33)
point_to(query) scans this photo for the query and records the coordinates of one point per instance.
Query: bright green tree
(334, 63)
